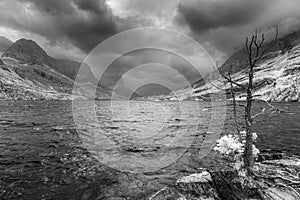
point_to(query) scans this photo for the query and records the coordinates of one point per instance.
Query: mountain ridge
(278, 74)
(28, 72)
(28, 51)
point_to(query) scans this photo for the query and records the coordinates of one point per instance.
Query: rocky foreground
(276, 176)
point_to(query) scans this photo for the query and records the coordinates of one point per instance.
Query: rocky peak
(28, 51)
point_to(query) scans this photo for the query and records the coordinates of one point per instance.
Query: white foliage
(233, 146)
(229, 144)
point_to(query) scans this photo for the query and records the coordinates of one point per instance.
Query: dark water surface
(43, 156)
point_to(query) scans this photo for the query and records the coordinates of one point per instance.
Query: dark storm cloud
(218, 25)
(204, 15)
(84, 23)
(91, 5)
(52, 6)
(222, 25)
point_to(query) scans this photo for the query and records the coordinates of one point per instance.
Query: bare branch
(262, 112)
(247, 45)
(233, 82)
(214, 85)
(270, 47)
(234, 102)
(272, 108)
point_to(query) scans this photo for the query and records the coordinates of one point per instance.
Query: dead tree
(255, 53)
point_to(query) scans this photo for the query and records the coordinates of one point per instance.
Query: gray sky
(72, 28)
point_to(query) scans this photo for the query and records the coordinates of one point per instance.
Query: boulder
(192, 187)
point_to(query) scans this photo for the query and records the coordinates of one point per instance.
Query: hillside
(32, 82)
(278, 74)
(4, 44)
(70, 69)
(28, 72)
(28, 51)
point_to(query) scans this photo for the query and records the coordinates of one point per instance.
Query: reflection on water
(43, 156)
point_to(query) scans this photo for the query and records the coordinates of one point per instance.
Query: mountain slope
(277, 75)
(70, 69)
(28, 51)
(32, 82)
(4, 44)
(29, 69)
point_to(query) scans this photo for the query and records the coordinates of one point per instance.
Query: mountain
(32, 82)
(4, 44)
(70, 69)
(28, 51)
(28, 72)
(277, 75)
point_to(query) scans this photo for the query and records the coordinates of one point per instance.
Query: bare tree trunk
(248, 157)
(248, 152)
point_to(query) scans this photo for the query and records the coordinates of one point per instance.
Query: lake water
(119, 150)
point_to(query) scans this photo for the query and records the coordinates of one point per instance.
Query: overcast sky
(72, 28)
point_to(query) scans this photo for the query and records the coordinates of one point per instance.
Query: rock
(191, 187)
(229, 187)
(200, 184)
(280, 194)
(279, 178)
(269, 156)
(276, 177)
(165, 193)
